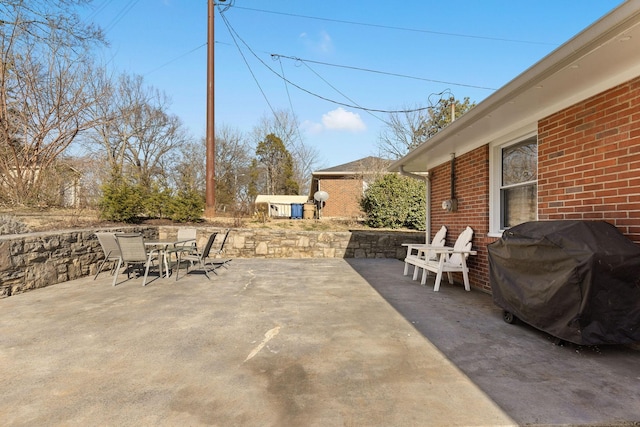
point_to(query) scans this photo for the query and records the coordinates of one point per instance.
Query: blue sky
(468, 48)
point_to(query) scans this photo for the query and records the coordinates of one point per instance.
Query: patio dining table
(166, 247)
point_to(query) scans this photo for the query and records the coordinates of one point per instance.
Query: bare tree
(139, 134)
(44, 75)
(402, 133)
(409, 128)
(188, 170)
(232, 163)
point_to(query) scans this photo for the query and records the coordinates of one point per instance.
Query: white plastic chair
(417, 253)
(451, 260)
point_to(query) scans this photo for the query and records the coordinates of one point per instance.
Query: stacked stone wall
(36, 260)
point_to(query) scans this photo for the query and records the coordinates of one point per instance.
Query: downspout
(427, 215)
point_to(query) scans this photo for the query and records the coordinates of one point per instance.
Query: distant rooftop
(366, 164)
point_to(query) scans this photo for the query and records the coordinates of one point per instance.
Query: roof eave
(623, 18)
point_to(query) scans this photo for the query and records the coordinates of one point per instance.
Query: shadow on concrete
(533, 380)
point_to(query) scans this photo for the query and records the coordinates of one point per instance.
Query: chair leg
(100, 268)
(425, 274)
(465, 275)
(406, 269)
(204, 267)
(436, 287)
(416, 270)
(146, 270)
(115, 276)
(179, 258)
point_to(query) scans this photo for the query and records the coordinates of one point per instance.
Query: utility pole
(210, 192)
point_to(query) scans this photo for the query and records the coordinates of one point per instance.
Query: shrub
(187, 206)
(157, 202)
(121, 201)
(395, 201)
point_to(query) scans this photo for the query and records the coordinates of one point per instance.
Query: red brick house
(345, 185)
(560, 141)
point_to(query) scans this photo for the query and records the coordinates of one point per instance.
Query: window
(518, 183)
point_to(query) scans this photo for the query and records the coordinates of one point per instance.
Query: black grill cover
(576, 280)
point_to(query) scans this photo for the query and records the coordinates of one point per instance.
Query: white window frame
(495, 179)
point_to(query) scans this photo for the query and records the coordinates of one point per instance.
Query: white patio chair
(134, 252)
(450, 260)
(416, 253)
(110, 248)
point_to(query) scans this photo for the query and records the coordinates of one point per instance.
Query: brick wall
(472, 193)
(344, 197)
(589, 160)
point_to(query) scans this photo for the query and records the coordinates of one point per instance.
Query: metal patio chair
(134, 253)
(201, 257)
(110, 248)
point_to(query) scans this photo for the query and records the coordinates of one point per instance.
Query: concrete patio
(295, 342)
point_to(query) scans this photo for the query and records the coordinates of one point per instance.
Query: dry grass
(63, 219)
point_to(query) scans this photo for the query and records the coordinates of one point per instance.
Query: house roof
(605, 54)
(366, 164)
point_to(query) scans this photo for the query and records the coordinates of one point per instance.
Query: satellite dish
(321, 196)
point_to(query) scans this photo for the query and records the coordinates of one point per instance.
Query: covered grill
(576, 280)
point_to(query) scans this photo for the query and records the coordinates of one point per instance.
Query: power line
(290, 104)
(232, 32)
(334, 88)
(123, 12)
(175, 59)
(235, 35)
(380, 72)
(390, 27)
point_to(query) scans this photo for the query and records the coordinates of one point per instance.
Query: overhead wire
(336, 89)
(390, 27)
(175, 59)
(304, 61)
(98, 9)
(286, 87)
(123, 12)
(235, 36)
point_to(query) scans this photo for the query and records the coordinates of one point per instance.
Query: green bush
(121, 201)
(395, 201)
(157, 202)
(187, 206)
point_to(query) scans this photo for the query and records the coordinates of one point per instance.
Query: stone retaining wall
(35, 260)
(267, 243)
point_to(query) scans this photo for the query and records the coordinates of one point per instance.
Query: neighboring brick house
(560, 141)
(345, 185)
